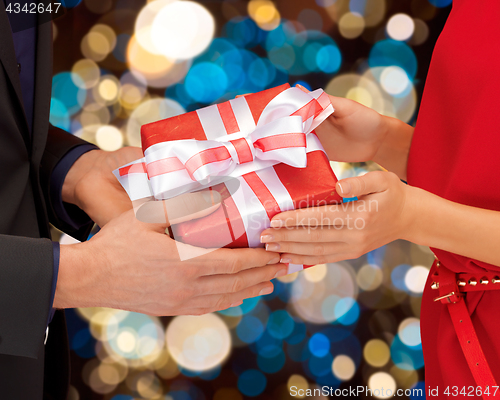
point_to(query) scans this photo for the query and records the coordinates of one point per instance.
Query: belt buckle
(450, 298)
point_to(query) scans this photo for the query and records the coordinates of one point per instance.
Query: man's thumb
(372, 182)
(179, 209)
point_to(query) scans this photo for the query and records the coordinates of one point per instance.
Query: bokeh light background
(122, 63)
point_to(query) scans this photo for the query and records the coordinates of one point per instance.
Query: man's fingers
(217, 302)
(233, 283)
(232, 261)
(179, 209)
(372, 182)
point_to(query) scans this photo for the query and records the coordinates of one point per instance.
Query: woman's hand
(91, 185)
(384, 212)
(355, 133)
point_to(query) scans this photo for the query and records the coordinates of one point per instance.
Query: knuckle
(315, 235)
(319, 249)
(221, 303)
(237, 284)
(235, 266)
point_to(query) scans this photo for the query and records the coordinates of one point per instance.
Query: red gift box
(259, 152)
(310, 186)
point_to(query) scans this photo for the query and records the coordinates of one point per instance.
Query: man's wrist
(77, 171)
(75, 273)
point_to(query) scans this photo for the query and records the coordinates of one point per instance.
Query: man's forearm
(468, 231)
(393, 152)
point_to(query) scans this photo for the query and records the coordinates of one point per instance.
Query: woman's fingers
(314, 260)
(308, 249)
(331, 215)
(304, 234)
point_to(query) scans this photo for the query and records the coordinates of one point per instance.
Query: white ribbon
(176, 167)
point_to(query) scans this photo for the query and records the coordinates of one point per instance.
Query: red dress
(455, 153)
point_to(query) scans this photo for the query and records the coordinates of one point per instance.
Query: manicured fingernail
(272, 246)
(275, 260)
(266, 238)
(276, 223)
(345, 187)
(266, 290)
(281, 272)
(285, 260)
(235, 304)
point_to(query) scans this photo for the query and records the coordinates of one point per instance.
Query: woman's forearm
(394, 149)
(468, 231)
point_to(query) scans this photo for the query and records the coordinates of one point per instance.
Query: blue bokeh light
(398, 276)
(271, 365)
(319, 345)
(252, 382)
(206, 82)
(347, 311)
(250, 329)
(298, 334)
(280, 324)
(321, 366)
(67, 92)
(268, 346)
(440, 3)
(59, 115)
(329, 59)
(244, 308)
(392, 52)
(406, 357)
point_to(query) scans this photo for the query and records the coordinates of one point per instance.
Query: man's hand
(134, 266)
(91, 185)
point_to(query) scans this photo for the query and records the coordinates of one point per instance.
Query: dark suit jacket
(26, 255)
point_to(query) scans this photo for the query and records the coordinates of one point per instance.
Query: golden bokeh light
(369, 277)
(376, 352)
(343, 367)
(300, 383)
(264, 13)
(109, 138)
(315, 301)
(198, 343)
(156, 69)
(316, 273)
(88, 71)
(351, 25)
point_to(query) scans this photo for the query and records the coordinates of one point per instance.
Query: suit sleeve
(27, 289)
(64, 216)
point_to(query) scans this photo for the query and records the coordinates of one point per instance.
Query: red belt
(452, 288)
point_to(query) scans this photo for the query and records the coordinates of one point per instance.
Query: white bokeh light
(382, 385)
(144, 22)
(415, 278)
(409, 331)
(182, 30)
(400, 27)
(394, 80)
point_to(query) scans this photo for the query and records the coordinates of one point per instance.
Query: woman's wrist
(393, 151)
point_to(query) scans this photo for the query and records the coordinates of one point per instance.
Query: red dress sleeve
(455, 153)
